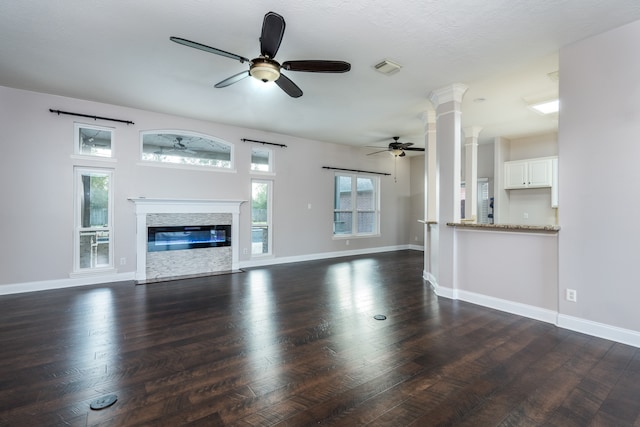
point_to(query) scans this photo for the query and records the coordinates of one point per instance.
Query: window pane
(366, 222)
(185, 149)
(260, 218)
(343, 193)
(342, 222)
(94, 249)
(93, 140)
(366, 195)
(260, 239)
(95, 200)
(260, 160)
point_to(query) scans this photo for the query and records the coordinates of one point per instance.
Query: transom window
(356, 205)
(186, 148)
(261, 160)
(93, 140)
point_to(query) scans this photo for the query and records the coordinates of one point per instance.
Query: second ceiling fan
(265, 67)
(397, 149)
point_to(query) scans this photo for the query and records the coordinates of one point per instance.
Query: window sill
(93, 272)
(99, 159)
(200, 168)
(354, 236)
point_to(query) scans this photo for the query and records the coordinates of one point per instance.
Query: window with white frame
(261, 160)
(261, 229)
(93, 140)
(356, 209)
(173, 147)
(93, 248)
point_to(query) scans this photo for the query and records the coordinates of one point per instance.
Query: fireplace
(185, 237)
(182, 238)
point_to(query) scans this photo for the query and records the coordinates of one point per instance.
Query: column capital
(428, 116)
(453, 92)
(472, 131)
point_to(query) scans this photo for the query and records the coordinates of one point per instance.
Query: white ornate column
(471, 173)
(447, 102)
(431, 173)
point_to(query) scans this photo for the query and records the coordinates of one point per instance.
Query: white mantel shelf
(144, 206)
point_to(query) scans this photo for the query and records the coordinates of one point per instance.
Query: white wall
(485, 162)
(530, 147)
(507, 266)
(36, 185)
(599, 148)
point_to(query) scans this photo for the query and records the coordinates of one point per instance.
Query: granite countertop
(506, 227)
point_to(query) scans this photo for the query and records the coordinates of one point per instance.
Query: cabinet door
(540, 173)
(515, 174)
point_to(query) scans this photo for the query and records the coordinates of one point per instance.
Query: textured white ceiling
(118, 51)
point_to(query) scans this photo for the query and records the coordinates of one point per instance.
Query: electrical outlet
(245, 251)
(526, 215)
(123, 261)
(572, 295)
(347, 243)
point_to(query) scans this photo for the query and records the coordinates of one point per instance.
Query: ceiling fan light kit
(265, 67)
(265, 70)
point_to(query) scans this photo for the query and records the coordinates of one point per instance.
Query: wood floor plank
(295, 345)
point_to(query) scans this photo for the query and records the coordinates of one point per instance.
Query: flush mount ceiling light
(387, 67)
(546, 107)
(265, 70)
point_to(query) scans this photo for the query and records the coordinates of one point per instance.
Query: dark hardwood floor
(298, 345)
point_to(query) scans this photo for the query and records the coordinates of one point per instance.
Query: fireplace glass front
(187, 237)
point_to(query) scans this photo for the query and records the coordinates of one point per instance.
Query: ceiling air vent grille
(387, 67)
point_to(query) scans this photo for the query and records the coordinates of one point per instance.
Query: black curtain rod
(355, 170)
(91, 117)
(263, 142)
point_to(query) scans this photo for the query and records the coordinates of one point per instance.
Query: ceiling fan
(265, 67)
(397, 149)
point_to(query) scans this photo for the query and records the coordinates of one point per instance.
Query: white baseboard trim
(85, 280)
(258, 262)
(428, 277)
(588, 327)
(46, 285)
(600, 330)
(417, 248)
(524, 310)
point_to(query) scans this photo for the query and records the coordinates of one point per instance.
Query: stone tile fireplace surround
(156, 266)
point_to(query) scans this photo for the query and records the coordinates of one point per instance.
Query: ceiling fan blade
(376, 152)
(289, 87)
(209, 49)
(317, 66)
(413, 149)
(272, 32)
(233, 79)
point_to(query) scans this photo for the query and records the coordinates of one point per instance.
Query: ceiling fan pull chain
(395, 168)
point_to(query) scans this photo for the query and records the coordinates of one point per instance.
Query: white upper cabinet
(531, 173)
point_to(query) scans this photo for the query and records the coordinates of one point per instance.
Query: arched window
(186, 148)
